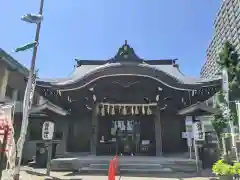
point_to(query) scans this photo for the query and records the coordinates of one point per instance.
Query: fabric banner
(26, 47)
(7, 119)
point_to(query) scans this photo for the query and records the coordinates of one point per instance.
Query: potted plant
(223, 170)
(237, 169)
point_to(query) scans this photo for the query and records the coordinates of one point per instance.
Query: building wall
(13, 85)
(12, 88)
(172, 128)
(226, 28)
(79, 133)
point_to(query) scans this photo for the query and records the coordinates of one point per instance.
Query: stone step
(125, 165)
(123, 170)
(139, 168)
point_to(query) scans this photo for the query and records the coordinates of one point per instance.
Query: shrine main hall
(124, 105)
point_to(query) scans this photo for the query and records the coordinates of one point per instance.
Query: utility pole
(28, 96)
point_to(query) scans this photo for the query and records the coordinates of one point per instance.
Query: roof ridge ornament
(126, 53)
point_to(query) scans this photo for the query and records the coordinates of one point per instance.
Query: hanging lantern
(132, 110)
(136, 110)
(143, 110)
(108, 109)
(124, 111)
(113, 110)
(149, 111)
(103, 111)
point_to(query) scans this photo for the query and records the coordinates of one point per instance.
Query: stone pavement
(39, 174)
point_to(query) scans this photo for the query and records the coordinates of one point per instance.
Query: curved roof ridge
(78, 75)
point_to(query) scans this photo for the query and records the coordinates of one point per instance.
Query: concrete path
(39, 174)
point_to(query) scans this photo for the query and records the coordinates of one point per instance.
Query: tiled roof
(14, 64)
(84, 70)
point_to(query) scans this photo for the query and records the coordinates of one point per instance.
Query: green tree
(229, 59)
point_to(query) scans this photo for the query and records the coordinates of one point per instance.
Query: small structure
(126, 102)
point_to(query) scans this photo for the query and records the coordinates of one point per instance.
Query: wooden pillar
(3, 83)
(158, 132)
(15, 94)
(94, 139)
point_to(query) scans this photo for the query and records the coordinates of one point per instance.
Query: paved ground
(39, 174)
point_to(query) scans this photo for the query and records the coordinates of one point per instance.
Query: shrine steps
(127, 164)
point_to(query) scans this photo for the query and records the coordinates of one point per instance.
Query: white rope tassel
(97, 109)
(113, 110)
(103, 111)
(59, 92)
(124, 111)
(119, 109)
(108, 109)
(149, 111)
(69, 99)
(143, 110)
(132, 110)
(136, 110)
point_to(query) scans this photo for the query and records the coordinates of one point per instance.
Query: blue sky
(95, 29)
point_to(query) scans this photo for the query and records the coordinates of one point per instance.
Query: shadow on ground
(204, 173)
(180, 176)
(47, 178)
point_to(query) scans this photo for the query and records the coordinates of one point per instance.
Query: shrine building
(122, 105)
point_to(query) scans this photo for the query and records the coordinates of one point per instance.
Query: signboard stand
(190, 152)
(196, 155)
(47, 134)
(190, 147)
(49, 157)
(188, 136)
(198, 135)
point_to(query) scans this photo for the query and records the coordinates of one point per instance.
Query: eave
(12, 63)
(197, 109)
(48, 106)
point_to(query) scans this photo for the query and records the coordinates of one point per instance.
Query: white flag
(27, 104)
(238, 114)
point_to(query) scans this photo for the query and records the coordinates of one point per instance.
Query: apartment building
(226, 28)
(12, 85)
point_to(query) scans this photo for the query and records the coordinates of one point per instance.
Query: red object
(115, 159)
(111, 170)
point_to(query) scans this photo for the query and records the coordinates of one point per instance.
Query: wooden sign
(198, 131)
(47, 130)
